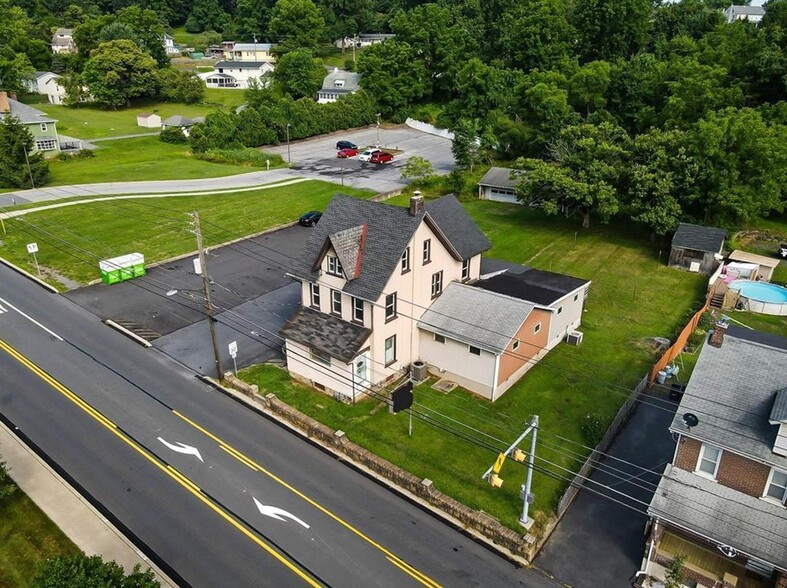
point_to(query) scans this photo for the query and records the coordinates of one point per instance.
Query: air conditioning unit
(574, 338)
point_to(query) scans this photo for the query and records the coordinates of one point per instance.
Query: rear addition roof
(533, 285)
(698, 237)
(476, 317)
(329, 334)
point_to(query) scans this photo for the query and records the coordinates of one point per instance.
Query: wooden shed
(696, 248)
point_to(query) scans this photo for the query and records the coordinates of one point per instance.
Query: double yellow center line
(195, 490)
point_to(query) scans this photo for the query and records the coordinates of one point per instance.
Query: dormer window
(338, 84)
(335, 266)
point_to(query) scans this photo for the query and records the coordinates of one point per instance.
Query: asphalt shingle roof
(177, 120)
(327, 333)
(252, 47)
(241, 64)
(388, 231)
(750, 525)
(534, 285)
(477, 317)
(458, 226)
(27, 114)
(779, 409)
(732, 391)
(699, 238)
(500, 177)
(351, 81)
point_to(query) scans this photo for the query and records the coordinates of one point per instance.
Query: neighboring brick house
(42, 127)
(384, 286)
(721, 503)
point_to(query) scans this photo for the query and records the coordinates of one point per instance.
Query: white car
(367, 155)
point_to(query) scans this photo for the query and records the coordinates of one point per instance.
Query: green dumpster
(120, 269)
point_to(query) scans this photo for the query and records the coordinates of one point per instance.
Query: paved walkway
(116, 137)
(75, 516)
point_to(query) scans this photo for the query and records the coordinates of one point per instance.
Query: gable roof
(327, 333)
(177, 120)
(476, 317)
(735, 9)
(26, 114)
(733, 390)
(779, 409)
(348, 245)
(388, 231)
(458, 227)
(351, 81)
(500, 177)
(534, 285)
(698, 237)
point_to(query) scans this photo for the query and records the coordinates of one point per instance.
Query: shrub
(173, 135)
(245, 157)
(81, 154)
(7, 486)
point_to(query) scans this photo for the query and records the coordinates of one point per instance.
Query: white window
(45, 144)
(427, 251)
(776, 487)
(335, 266)
(515, 346)
(336, 302)
(537, 328)
(390, 307)
(406, 260)
(474, 350)
(358, 310)
(339, 84)
(43, 127)
(465, 270)
(439, 338)
(316, 296)
(320, 356)
(560, 310)
(390, 350)
(708, 463)
(437, 284)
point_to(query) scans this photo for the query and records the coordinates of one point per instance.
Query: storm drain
(139, 330)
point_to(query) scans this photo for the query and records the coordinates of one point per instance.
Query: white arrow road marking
(31, 319)
(183, 448)
(277, 513)
(2, 310)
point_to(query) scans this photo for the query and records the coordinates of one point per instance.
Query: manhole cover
(444, 386)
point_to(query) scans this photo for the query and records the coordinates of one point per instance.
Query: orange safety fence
(680, 343)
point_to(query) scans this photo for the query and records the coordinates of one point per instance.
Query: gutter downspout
(496, 373)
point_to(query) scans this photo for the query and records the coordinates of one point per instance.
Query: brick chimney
(717, 337)
(416, 203)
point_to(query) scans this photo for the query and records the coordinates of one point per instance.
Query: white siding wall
(336, 378)
(474, 372)
(569, 319)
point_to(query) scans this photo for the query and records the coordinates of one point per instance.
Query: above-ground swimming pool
(761, 297)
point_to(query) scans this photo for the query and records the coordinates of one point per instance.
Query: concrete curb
(480, 538)
(68, 509)
(128, 333)
(29, 276)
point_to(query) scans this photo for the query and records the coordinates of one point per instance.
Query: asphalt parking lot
(250, 291)
(316, 158)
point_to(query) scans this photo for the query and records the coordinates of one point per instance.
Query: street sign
(233, 347)
(501, 459)
(402, 397)
(32, 247)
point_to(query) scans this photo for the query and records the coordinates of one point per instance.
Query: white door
(361, 372)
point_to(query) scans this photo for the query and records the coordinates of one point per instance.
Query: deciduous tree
(119, 71)
(299, 74)
(17, 159)
(296, 24)
(607, 29)
(394, 75)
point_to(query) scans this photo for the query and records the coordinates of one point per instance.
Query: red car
(346, 152)
(381, 157)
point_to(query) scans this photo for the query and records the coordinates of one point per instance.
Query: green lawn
(27, 537)
(91, 122)
(633, 297)
(157, 228)
(143, 158)
(332, 55)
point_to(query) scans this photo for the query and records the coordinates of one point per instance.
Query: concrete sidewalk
(75, 516)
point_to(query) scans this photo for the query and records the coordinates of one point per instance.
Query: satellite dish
(690, 420)
(728, 551)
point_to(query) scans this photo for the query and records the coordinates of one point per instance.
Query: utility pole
(289, 160)
(206, 291)
(29, 171)
(518, 455)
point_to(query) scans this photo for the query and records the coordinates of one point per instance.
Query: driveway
(311, 158)
(250, 291)
(599, 542)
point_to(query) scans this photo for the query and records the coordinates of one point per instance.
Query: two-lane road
(217, 494)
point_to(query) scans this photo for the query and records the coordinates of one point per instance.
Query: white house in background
(63, 41)
(384, 286)
(238, 74)
(750, 13)
(499, 184)
(169, 45)
(47, 84)
(150, 121)
(338, 83)
(254, 52)
(364, 40)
